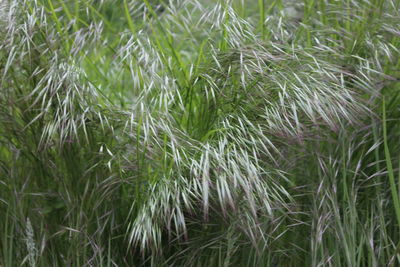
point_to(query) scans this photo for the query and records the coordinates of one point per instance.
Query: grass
(184, 132)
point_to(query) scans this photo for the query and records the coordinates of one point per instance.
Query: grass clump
(184, 132)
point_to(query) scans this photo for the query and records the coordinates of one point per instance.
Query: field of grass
(199, 133)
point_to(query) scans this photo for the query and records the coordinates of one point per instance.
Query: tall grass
(195, 133)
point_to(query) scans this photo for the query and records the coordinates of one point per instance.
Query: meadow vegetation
(199, 133)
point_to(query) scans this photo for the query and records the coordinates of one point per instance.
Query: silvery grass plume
(30, 244)
(269, 99)
(58, 101)
(226, 145)
(52, 129)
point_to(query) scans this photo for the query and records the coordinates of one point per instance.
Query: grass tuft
(185, 132)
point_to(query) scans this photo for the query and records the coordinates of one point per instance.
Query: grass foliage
(199, 133)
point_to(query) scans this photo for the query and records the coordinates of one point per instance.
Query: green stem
(389, 166)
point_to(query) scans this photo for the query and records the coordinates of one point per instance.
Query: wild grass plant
(199, 133)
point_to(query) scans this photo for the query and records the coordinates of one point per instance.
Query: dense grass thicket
(199, 133)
